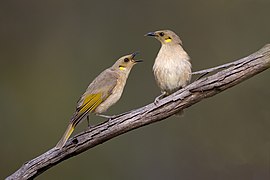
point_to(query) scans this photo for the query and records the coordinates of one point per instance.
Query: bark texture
(225, 76)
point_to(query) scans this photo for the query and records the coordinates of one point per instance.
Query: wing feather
(97, 92)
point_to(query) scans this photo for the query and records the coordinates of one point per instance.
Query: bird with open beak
(104, 91)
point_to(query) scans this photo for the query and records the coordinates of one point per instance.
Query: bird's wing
(97, 92)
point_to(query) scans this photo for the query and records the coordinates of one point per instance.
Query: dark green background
(51, 50)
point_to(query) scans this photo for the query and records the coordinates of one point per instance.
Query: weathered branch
(233, 74)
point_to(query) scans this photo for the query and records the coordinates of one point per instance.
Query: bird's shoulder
(102, 85)
(105, 81)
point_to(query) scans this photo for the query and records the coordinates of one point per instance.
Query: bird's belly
(111, 100)
(171, 78)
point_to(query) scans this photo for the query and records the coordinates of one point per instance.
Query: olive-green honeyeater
(105, 90)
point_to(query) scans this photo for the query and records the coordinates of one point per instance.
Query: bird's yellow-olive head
(127, 62)
(165, 37)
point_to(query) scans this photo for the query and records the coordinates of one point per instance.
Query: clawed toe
(159, 98)
(106, 116)
(156, 101)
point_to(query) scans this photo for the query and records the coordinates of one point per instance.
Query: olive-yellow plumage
(105, 90)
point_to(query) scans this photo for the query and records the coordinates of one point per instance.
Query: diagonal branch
(233, 74)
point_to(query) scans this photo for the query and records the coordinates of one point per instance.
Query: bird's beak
(140, 60)
(133, 56)
(151, 34)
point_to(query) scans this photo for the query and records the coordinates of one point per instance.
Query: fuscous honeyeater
(172, 68)
(104, 91)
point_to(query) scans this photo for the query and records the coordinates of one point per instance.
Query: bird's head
(165, 37)
(125, 63)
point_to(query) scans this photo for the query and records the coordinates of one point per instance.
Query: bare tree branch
(233, 74)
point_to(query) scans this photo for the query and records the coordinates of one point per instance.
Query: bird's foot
(159, 98)
(88, 124)
(156, 101)
(106, 116)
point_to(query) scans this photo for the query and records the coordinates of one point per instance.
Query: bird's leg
(159, 97)
(106, 116)
(88, 124)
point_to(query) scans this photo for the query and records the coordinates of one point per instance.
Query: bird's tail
(65, 137)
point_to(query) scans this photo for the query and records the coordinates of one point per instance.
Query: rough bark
(231, 75)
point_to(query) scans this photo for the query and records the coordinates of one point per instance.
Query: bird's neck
(172, 50)
(124, 72)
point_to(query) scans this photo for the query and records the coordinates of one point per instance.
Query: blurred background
(51, 50)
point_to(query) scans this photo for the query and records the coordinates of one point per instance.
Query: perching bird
(172, 68)
(105, 90)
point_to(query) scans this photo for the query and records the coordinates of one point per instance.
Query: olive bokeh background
(51, 50)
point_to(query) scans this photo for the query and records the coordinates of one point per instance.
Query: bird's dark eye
(126, 59)
(161, 34)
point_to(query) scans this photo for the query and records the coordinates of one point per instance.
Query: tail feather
(65, 137)
(90, 102)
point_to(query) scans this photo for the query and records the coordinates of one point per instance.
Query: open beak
(133, 56)
(151, 34)
(140, 60)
